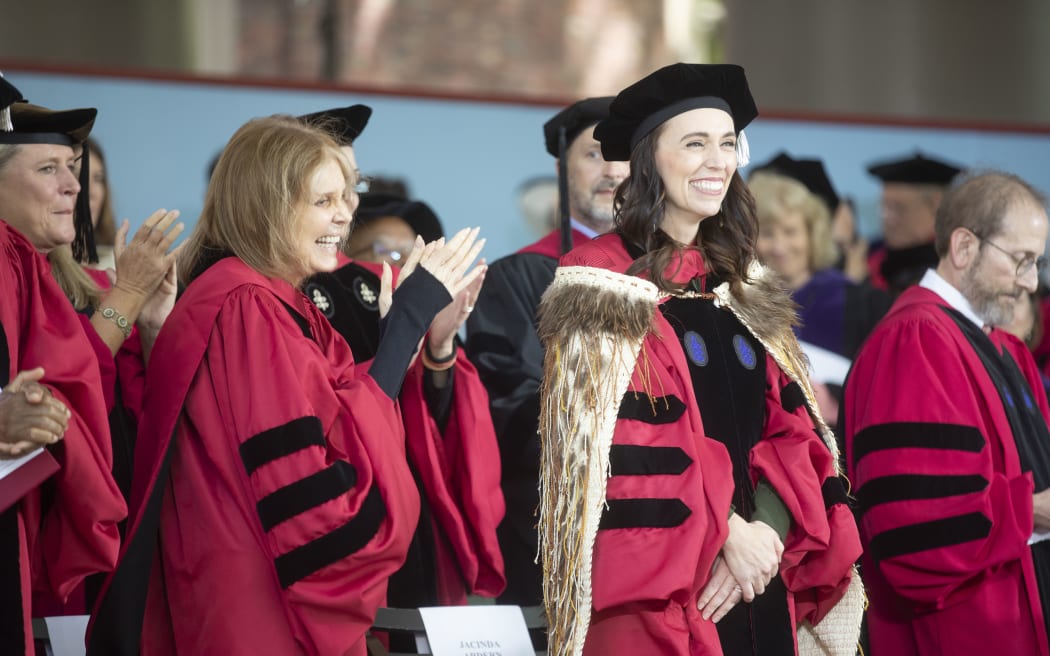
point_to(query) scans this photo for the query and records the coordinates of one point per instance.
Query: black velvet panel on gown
(728, 369)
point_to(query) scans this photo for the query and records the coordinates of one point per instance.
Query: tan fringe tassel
(592, 322)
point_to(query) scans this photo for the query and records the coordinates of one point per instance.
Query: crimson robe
(66, 529)
(945, 508)
(273, 469)
(672, 484)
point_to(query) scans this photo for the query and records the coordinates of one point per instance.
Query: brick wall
(543, 48)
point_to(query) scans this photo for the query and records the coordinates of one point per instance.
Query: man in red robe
(501, 332)
(947, 443)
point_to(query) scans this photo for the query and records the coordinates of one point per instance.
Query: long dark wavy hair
(726, 240)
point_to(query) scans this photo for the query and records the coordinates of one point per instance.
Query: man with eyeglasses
(912, 189)
(947, 443)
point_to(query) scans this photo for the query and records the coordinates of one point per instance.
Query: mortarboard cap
(915, 170)
(345, 123)
(645, 105)
(416, 214)
(810, 172)
(559, 133)
(23, 123)
(574, 119)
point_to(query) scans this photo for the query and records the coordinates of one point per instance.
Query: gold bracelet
(117, 318)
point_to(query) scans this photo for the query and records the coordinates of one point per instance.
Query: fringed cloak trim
(592, 323)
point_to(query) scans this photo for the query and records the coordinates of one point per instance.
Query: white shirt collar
(952, 296)
(587, 230)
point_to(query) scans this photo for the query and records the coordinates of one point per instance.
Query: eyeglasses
(382, 249)
(1024, 262)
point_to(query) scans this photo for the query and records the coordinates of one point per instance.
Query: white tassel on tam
(5, 118)
(743, 150)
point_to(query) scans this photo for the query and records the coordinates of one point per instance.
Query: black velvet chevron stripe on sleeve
(918, 435)
(834, 491)
(635, 460)
(310, 492)
(906, 487)
(651, 409)
(332, 547)
(792, 397)
(935, 534)
(643, 513)
(281, 441)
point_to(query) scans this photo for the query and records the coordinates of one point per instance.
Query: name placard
(477, 631)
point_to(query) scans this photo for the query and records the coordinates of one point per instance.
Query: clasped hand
(30, 417)
(749, 560)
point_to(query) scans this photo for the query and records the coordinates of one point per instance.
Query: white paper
(67, 634)
(825, 366)
(7, 467)
(481, 630)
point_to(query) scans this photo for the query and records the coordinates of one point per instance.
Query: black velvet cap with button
(345, 123)
(574, 119)
(22, 123)
(810, 172)
(645, 105)
(917, 169)
(417, 214)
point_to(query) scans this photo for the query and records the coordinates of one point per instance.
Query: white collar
(952, 296)
(585, 229)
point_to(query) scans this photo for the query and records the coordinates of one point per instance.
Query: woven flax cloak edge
(592, 323)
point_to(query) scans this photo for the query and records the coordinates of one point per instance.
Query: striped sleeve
(935, 509)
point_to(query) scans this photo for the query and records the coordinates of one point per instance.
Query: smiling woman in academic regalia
(60, 532)
(681, 472)
(272, 498)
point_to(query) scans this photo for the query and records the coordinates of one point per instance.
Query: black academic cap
(417, 214)
(916, 169)
(810, 172)
(23, 123)
(574, 119)
(345, 123)
(558, 134)
(642, 107)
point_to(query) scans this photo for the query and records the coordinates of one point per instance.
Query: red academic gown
(945, 510)
(458, 466)
(646, 580)
(285, 501)
(66, 529)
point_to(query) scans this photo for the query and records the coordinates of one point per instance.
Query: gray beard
(988, 304)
